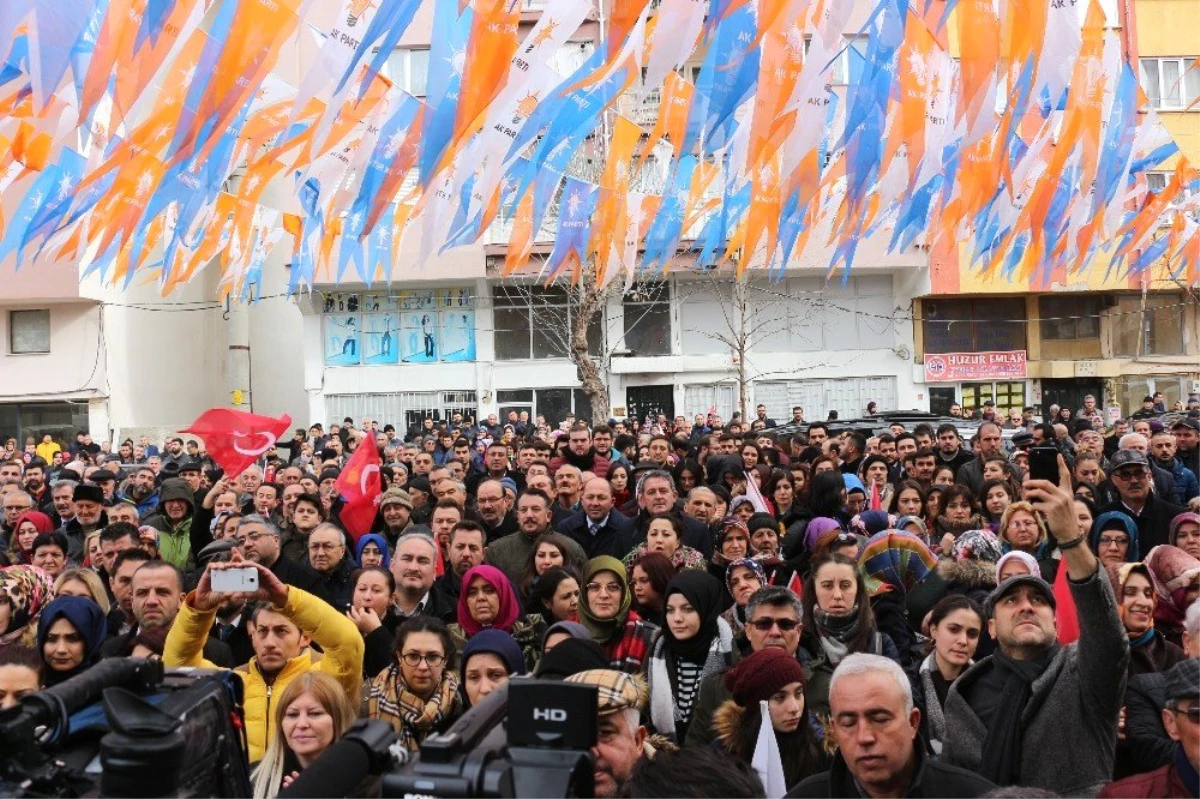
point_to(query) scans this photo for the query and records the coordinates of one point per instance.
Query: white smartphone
(234, 581)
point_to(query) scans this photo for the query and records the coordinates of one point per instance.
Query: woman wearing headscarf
(743, 577)
(488, 602)
(1114, 539)
(28, 527)
(372, 550)
(826, 498)
(694, 643)
(69, 634)
(1149, 651)
(604, 609)
(24, 592)
(1176, 575)
(488, 660)
(774, 680)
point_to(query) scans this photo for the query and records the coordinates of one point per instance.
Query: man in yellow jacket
(283, 622)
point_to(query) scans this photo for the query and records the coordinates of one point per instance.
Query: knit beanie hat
(498, 643)
(762, 675)
(395, 496)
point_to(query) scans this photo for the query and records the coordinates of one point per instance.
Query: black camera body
(528, 738)
(127, 728)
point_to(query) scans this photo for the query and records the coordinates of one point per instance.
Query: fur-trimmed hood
(968, 574)
(726, 722)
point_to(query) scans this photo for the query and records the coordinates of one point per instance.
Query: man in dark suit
(598, 528)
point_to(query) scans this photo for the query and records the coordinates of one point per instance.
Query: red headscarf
(509, 610)
(39, 520)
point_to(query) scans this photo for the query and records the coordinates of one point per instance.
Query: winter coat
(174, 538)
(727, 723)
(818, 670)
(337, 636)
(511, 553)
(1080, 690)
(1153, 522)
(1186, 485)
(931, 778)
(528, 631)
(1162, 783)
(1147, 745)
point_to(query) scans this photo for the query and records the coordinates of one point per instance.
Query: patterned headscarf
(26, 589)
(895, 561)
(751, 564)
(1172, 570)
(977, 545)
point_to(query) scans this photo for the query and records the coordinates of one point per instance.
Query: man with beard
(35, 484)
(156, 592)
(510, 553)
(580, 453)
(142, 492)
(89, 516)
(495, 510)
(174, 521)
(467, 549)
(496, 467)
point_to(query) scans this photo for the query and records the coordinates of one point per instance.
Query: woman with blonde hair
(82, 582)
(313, 712)
(1023, 529)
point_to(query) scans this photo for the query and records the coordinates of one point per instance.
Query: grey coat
(1070, 723)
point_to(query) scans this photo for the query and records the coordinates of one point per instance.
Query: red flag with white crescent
(235, 439)
(360, 484)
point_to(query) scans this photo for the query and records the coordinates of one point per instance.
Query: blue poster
(418, 336)
(458, 335)
(341, 339)
(380, 336)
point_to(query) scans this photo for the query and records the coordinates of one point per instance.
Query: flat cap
(617, 690)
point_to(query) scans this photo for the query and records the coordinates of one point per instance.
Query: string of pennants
(141, 136)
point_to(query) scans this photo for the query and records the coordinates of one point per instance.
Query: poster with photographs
(418, 336)
(342, 339)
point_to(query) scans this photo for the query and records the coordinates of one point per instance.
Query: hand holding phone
(1043, 464)
(242, 580)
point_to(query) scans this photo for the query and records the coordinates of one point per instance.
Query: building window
(552, 403)
(996, 324)
(533, 321)
(409, 69)
(1161, 325)
(648, 319)
(1069, 318)
(29, 332)
(1170, 83)
(1006, 395)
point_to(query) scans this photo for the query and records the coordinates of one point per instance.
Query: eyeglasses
(1114, 540)
(414, 659)
(767, 622)
(1192, 713)
(258, 536)
(607, 588)
(16, 507)
(1130, 475)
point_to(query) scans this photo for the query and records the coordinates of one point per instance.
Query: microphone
(361, 753)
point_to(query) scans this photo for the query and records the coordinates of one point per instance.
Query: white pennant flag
(767, 761)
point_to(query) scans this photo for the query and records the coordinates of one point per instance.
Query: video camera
(127, 728)
(528, 738)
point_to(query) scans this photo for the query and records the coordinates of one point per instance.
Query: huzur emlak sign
(952, 367)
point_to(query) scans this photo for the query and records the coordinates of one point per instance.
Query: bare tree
(749, 314)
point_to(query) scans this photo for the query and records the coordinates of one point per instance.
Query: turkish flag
(236, 439)
(1065, 615)
(360, 485)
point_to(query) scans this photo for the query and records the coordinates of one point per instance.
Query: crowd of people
(890, 612)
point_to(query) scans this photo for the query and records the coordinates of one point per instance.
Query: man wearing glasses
(328, 557)
(772, 620)
(1181, 718)
(1129, 470)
